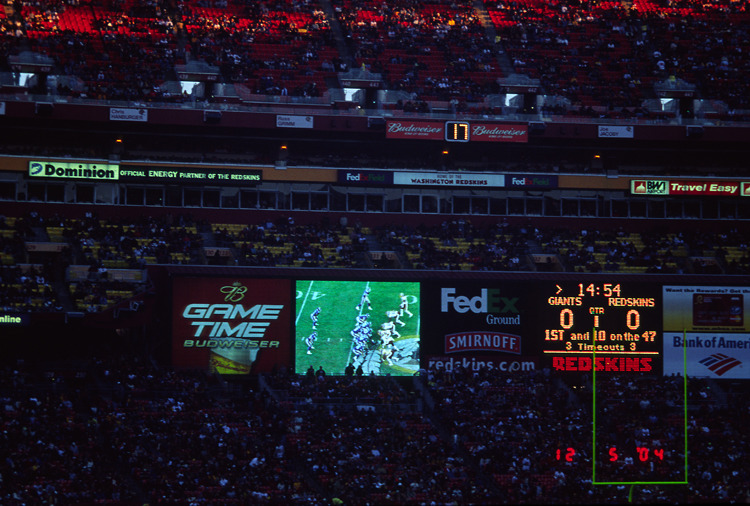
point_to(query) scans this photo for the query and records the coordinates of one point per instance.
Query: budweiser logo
(482, 130)
(398, 127)
(234, 293)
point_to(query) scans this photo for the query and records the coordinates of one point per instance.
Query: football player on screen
(395, 316)
(365, 300)
(363, 324)
(390, 327)
(314, 317)
(359, 351)
(358, 336)
(387, 354)
(309, 341)
(404, 307)
(387, 340)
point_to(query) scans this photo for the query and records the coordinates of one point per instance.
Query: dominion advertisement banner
(231, 325)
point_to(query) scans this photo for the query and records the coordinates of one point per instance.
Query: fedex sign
(534, 180)
(489, 301)
(365, 177)
(484, 316)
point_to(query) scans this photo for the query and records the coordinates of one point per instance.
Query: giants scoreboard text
(621, 322)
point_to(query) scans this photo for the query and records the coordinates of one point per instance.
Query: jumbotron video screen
(370, 325)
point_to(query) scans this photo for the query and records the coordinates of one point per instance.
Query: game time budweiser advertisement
(230, 325)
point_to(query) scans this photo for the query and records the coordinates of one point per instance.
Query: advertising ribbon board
(487, 132)
(423, 130)
(616, 132)
(190, 175)
(463, 180)
(283, 121)
(684, 187)
(68, 170)
(530, 181)
(360, 177)
(119, 114)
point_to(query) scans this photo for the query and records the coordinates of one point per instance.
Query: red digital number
(568, 456)
(642, 454)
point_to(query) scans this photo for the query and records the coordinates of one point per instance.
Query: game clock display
(457, 131)
(619, 322)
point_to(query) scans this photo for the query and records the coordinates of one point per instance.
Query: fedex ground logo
(649, 187)
(718, 363)
(365, 177)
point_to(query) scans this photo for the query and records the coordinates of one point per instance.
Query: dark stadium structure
(376, 252)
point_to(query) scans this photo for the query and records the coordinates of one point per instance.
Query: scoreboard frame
(517, 304)
(620, 321)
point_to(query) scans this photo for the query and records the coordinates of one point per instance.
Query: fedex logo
(365, 177)
(489, 301)
(532, 181)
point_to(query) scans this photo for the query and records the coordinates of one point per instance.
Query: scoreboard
(578, 324)
(505, 322)
(615, 332)
(563, 325)
(621, 322)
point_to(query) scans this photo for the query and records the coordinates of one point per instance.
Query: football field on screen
(338, 301)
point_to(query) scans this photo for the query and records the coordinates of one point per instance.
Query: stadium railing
(314, 107)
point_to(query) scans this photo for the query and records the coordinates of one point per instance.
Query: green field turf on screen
(338, 301)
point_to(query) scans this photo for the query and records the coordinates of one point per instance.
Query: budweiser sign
(499, 133)
(429, 130)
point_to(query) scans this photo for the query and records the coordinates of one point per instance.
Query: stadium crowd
(123, 431)
(435, 52)
(281, 242)
(103, 260)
